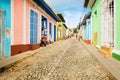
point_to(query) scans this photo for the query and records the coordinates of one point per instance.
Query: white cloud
(72, 10)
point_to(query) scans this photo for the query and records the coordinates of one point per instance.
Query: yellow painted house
(61, 28)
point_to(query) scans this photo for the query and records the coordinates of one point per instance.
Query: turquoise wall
(96, 20)
(5, 5)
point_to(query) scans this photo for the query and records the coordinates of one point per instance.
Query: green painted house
(105, 26)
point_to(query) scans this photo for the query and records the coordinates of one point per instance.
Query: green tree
(75, 30)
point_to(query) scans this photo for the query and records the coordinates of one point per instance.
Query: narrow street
(64, 60)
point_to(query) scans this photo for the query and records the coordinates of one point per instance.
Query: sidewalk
(7, 62)
(110, 64)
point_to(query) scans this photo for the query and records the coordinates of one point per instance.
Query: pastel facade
(5, 27)
(59, 31)
(61, 27)
(26, 22)
(105, 26)
(87, 28)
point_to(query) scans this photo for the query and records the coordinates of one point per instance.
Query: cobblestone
(58, 63)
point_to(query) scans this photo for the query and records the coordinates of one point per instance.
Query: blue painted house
(87, 28)
(5, 26)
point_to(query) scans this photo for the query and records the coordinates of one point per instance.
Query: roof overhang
(89, 3)
(65, 26)
(60, 16)
(42, 4)
(86, 17)
(86, 3)
(80, 23)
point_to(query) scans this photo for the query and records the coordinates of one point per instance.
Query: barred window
(33, 27)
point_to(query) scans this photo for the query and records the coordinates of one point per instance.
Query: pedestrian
(80, 35)
(76, 36)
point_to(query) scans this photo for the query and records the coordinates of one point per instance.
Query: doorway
(2, 33)
(108, 38)
(44, 26)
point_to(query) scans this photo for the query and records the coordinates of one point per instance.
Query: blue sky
(72, 10)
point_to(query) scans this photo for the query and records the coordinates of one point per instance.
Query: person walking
(80, 35)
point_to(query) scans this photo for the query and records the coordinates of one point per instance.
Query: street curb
(9, 62)
(112, 65)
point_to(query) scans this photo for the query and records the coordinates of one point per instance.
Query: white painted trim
(48, 31)
(12, 22)
(29, 28)
(50, 35)
(52, 26)
(24, 23)
(115, 24)
(116, 51)
(35, 10)
(53, 32)
(39, 25)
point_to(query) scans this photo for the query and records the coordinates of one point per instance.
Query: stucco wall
(96, 20)
(40, 12)
(18, 21)
(117, 5)
(6, 5)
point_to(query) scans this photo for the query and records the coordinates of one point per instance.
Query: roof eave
(47, 9)
(61, 17)
(86, 17)
(86, 3)
(89, 3)
(65, 26)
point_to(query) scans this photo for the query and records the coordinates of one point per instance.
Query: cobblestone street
(64, 60)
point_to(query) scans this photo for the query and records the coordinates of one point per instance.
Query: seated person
(43, 41)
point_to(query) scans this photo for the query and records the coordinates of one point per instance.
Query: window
(44, 25)
(108, 23)
(50, 28)
(95, 12)
(33, 27)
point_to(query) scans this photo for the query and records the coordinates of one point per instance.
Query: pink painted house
(30, 19)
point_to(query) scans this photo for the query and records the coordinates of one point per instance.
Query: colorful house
(81, 30)
(23, 23)
(61, 27)
(87, 28)
(105, 25)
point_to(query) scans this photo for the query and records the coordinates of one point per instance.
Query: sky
(72, 10)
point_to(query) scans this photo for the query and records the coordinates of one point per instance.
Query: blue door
(54, 33)
(33, 27)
